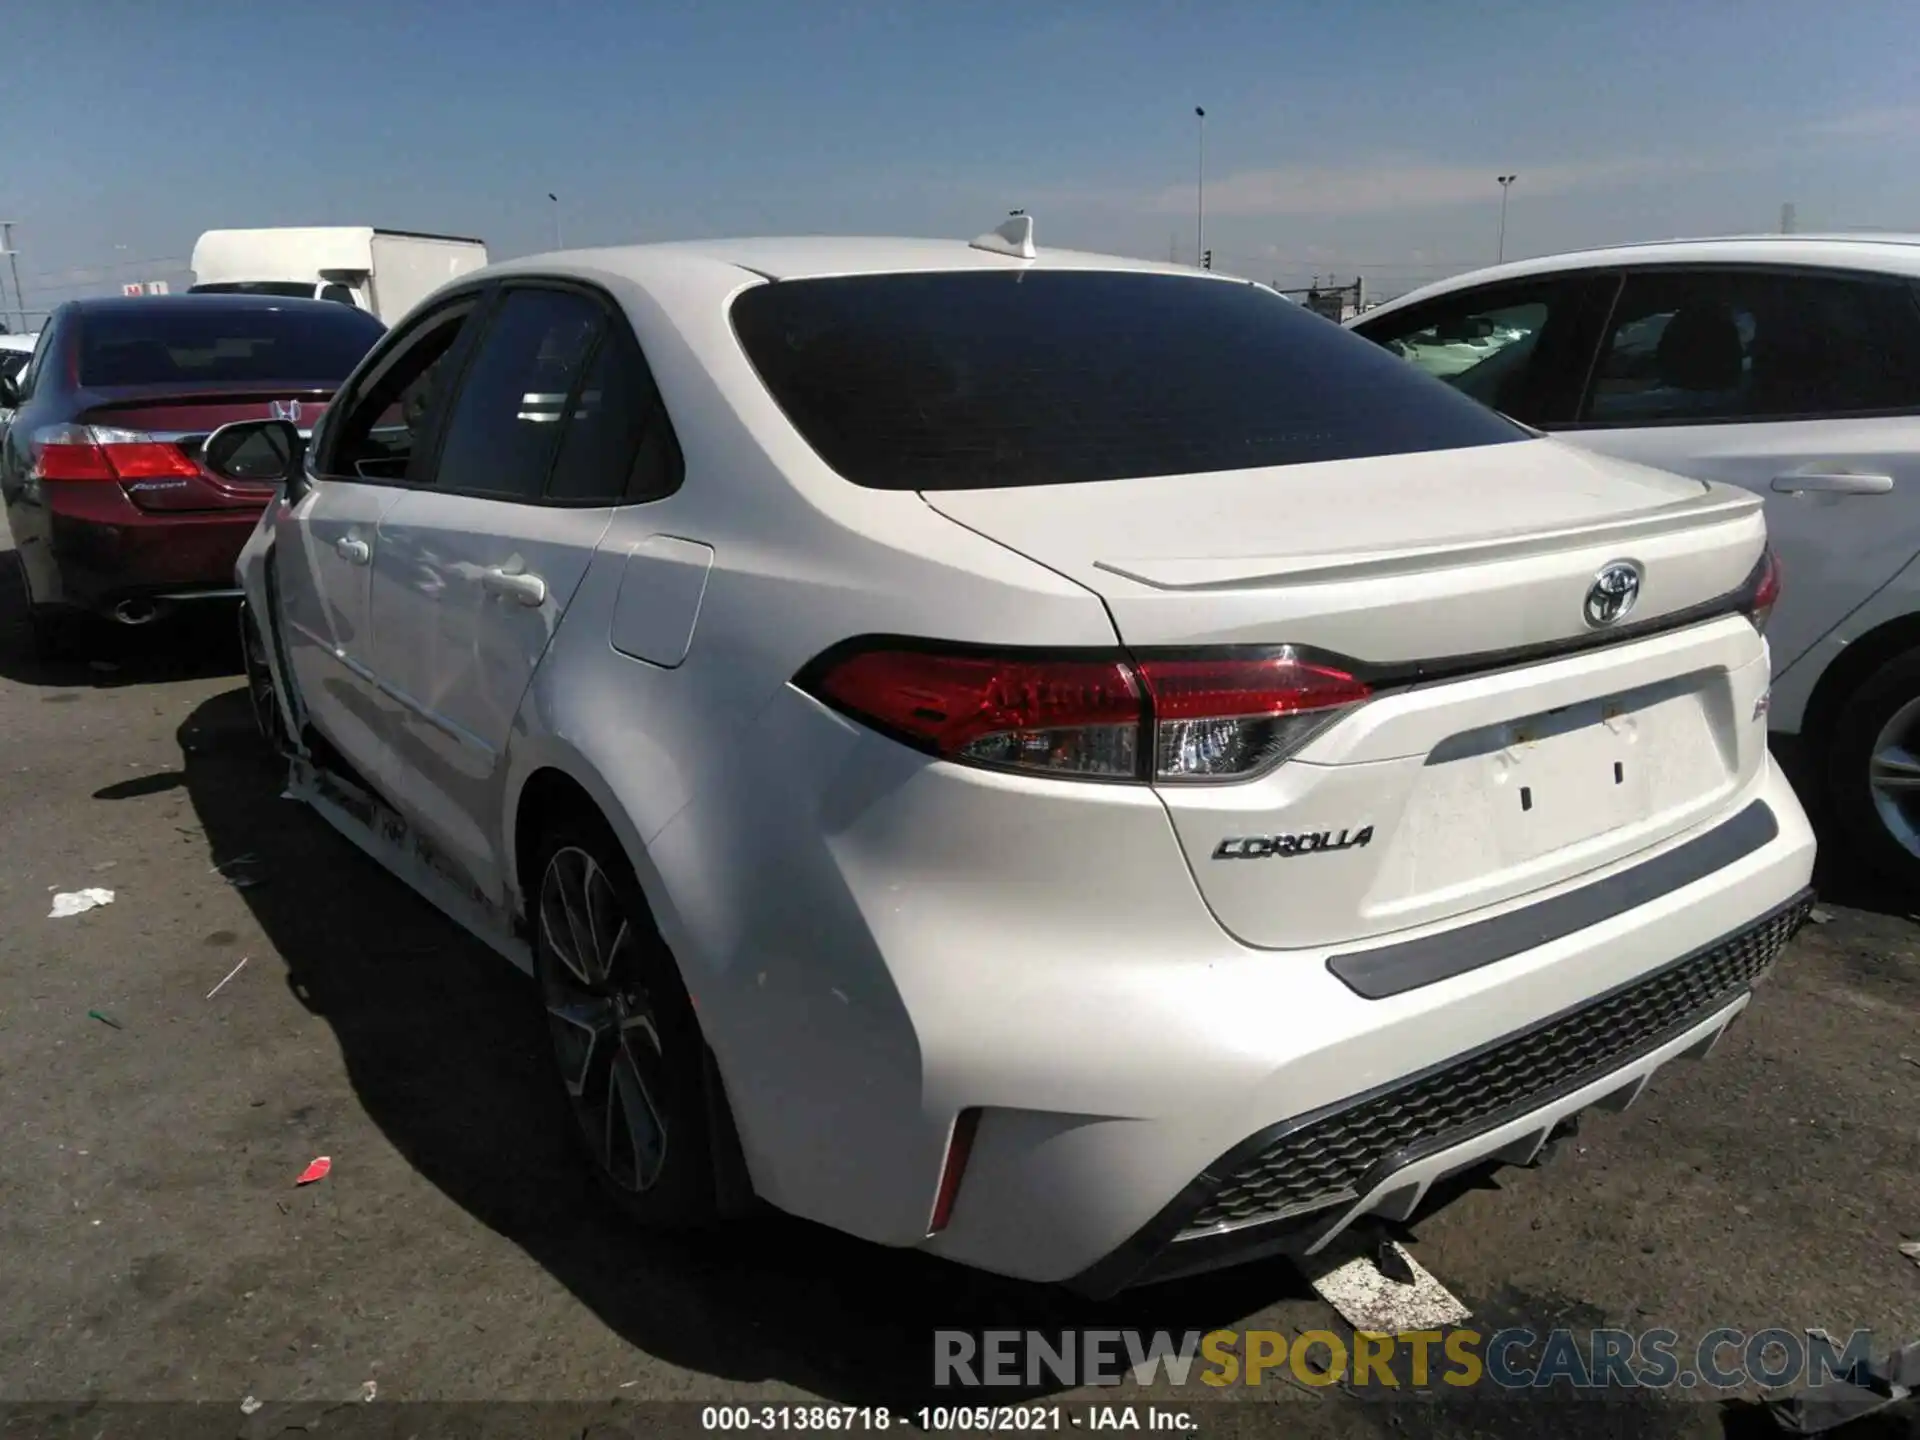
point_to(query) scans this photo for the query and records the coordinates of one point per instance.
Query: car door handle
(354, 552)
(527, 589)
(1833, 484)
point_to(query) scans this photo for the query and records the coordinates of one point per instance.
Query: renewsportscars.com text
(1508, 1359)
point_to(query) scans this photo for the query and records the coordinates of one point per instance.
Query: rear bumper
(92, 551)
(1294, 1186)
(944, 939)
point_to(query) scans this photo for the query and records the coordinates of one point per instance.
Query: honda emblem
(288, 410)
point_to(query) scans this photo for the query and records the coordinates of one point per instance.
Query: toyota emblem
(1612, 594)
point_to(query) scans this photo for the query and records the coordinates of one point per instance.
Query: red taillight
(1762, 590)
(959, 1148)
(1063, 716)
(1228, 717)
(95, 452)
(1175, 718)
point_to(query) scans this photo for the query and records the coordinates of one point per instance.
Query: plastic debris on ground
(229, 975)
(316, 1171)
(1911, 1249)
(78, 902)
(105, 1019)
(249, 1405)
(1819, 916)
(1370, 1296)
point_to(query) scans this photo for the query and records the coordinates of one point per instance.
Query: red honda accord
(111, 512)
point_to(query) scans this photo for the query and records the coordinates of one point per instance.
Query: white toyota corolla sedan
(1075, 765)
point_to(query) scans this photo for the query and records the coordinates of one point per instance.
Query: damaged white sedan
(1071, 764)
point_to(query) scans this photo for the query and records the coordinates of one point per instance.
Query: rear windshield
(169, 344)
(987, 380)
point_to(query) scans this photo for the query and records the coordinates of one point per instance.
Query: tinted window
(617, 444)
(161, 344)
(382, 427)
(12, 362)
(339, 293)
(989, 379)
(505, 422)
(1702, 346)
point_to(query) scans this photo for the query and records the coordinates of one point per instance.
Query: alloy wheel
(606, 1038)
(1893, 772)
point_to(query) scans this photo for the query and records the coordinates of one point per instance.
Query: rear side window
(1699, 346)
(989, 380)
(505, 421)
(618, 445)
(165, 344)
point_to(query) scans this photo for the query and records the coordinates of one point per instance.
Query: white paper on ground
(1371, 1301)
(74, 902)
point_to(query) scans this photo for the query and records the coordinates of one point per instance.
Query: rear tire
(268, 720)
(627, 1049)
(1872, 779)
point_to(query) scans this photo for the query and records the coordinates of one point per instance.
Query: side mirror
(270, 451)
(9, 393)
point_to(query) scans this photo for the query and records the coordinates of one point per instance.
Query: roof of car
(815, 256)
(1897, 254)
(127, 304)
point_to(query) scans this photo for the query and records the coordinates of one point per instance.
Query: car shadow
(468, 1101)
(198, 641)
(1838, 878)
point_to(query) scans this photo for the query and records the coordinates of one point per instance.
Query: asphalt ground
(154, 1246)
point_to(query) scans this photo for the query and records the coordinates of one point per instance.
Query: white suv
(1787, 364)
(1078, 766)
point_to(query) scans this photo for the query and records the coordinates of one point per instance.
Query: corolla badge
(1612, 594)
(288, 410)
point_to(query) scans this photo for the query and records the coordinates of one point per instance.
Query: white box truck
(386, 272)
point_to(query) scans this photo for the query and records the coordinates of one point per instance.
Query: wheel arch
(1856, 664)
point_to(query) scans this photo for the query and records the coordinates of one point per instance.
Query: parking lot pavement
(156, 1246)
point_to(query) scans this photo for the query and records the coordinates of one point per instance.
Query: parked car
(15, 351)
(1077, 766)
(1788, 365)
(112, 512)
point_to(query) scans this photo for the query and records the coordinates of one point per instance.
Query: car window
(1522, 347)
(31, 375)
(1702, 346)
(338, 293)
(196, 342)
(379, 431)
(618, 445)
(992, 379)
(505, 422)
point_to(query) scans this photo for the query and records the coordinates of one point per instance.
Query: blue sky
(1360, 137)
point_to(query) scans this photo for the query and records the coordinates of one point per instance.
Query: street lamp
(1200, 193)
(1506, 183)
(556, 220)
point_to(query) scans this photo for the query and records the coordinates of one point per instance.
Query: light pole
(1200, 192)
(1506, 183)
(556, 220)
(13, 263)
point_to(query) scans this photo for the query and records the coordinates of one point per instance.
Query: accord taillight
(1194, 716)
(99, 452)
(1762, 590)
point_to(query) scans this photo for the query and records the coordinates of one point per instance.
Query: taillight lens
(1223, 718)
(1194, 717)
(99, 452)
(1074, 717)
(1762, 590)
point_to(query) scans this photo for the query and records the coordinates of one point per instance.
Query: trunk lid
(1506, 747)
(183, 420)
